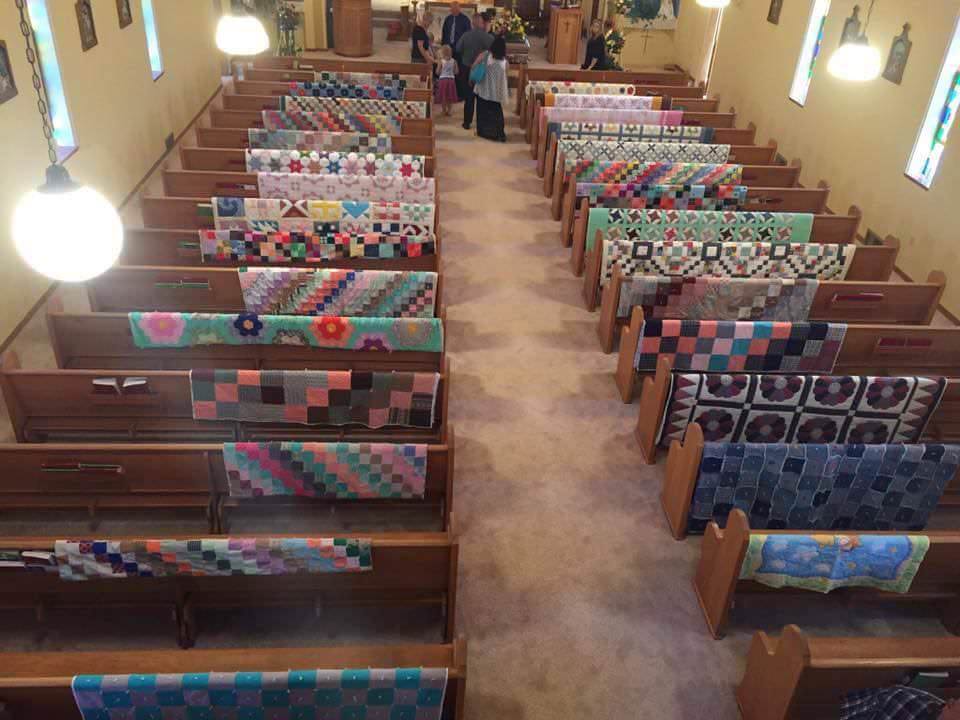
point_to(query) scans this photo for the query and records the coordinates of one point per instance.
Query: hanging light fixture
(241, 33)
(63, 230)
(713, 4)
(856, 60)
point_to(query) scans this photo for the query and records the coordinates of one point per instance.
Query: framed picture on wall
(123, 13)
(88, 32)
(897, 60)
(8, 88)
(773, 14)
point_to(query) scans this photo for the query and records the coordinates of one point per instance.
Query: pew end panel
(653, 402)
(625, 374)
(680, 479)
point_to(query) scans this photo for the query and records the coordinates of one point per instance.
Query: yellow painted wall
(686, 46)
(856, 136)
(120, 115)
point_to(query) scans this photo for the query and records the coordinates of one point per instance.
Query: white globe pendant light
(241, 35)
(713, 3)
(856, 61)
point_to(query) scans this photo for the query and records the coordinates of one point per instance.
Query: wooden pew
(105, 477)
(269, 92)
(104, 341)
(890, 303)
(875, 262)
(37, 684)
(237, 138)
(796, 677)
(341, 65)
(253, 119)
(867, 350)
(171, 289)
(181, 249)
(723, 550)
(410, 568)
(237, 101)
(235, 161)
(64, 406)
(281, 75)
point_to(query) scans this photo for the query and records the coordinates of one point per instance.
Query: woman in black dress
(596, 58)
(420, 41)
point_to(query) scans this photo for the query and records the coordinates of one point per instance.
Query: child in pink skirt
(446, 92)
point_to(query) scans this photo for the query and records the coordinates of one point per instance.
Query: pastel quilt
(574, 151)
(603, 130)
(619, 102)
(329, 291)
(100, 559)
(329, 471)
(562, 87)
(377, 188)
(672, 197)
(392, 693)
(826, 562)
(366, 78)
(340, 120)
(801, 408)
(368, 334)
(717, 298)
(307, 140)
(822, 486)
(334, 162)
(654, 173)
(251, 248)
(720, 345)
(384, 89)
(608, 116)
(316, 397)
(357, 106)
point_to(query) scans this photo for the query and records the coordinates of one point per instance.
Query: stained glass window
(810, 51)
(153, 40)
(52, 82)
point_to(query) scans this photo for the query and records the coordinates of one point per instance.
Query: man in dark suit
(455, 26)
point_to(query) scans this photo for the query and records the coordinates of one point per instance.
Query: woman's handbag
(479, 71)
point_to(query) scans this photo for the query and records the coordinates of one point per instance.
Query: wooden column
(353, 28)
(565, 24)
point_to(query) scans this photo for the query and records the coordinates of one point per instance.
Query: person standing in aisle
(476, 41)
(492, 92)
(420, 42)
(455, 26)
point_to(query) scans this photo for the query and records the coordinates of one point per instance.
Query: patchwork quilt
(608, 116)
(575, 151)
(316, 397)
(366, 78)
(369, 334)
(821, 486)
(730, 259)
(393, 188)
(719, 345)
(334, 163)
(653, 173)
(826, 562)
(340, 120)
(394, 693)
(353, 105)
(620, 101)
(383, 89)
(329, 291)
(673, 197)
(306, 140)
(801, 408)
(563, 87)
(237, 246)
(717, 298)
(592, 130)
(331, 470)
(86, 559)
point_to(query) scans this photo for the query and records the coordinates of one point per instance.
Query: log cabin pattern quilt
(251, 248)
(307, 140)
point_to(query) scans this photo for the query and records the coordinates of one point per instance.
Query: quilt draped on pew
(695, 259)
(801, 408)
(575, 151)
(608, 102)
(612, 116)
(822, 487)
(286, 247)
(654, 173)
(335, 121)
(333, 163)
(316, 397)
(318, 140)
(574, 87)
(383, 89)
(340, 470)
(630, 131)
(717, 298)
(366, 78)
(391, 693)
(826, 562)
(735, 345)
(323, 216)
(372, 334)
(334, 291)
(678, 197)
(394, 188)
(86, 559)
(356, 106)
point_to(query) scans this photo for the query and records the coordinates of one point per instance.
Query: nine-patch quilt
(340, 120)
(353, 105)
(719, 345)
(622, 131)
(334, 291)
(334, 162)
(654, 173)
(801, 408)
(822, 486)
(392, 188)
(306, 140)
(574, 151)
(237, 246)
(316, 397)
(326, 470)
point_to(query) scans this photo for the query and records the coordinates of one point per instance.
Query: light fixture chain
(42, 106)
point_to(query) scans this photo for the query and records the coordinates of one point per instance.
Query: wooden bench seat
(723, 550)
(410, 568)
(271, 101)
(313, 64)
(253, 119)
(105, 477)
(38, 684)
(797, 677)
(238, 138)
(51, 406)
(234, 160)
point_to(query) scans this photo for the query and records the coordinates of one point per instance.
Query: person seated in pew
(898, 702)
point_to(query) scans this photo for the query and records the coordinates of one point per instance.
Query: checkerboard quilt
(366, 78)
(237, 246)
(329, 291)
(334, 163)
(801, 408)
(822, 487)
(306, 140)
(730, 259)
(575, 151)
(673, 197)
(356, 106)
(340, 120)
(370, 334)
(338, 470)
(619, 102)
(374, 694)
(717, 298)
(314, 397)
(576, 129)
(759, 346)
(86, 559)
(386, 89)
(654, 173)
(393, 188)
